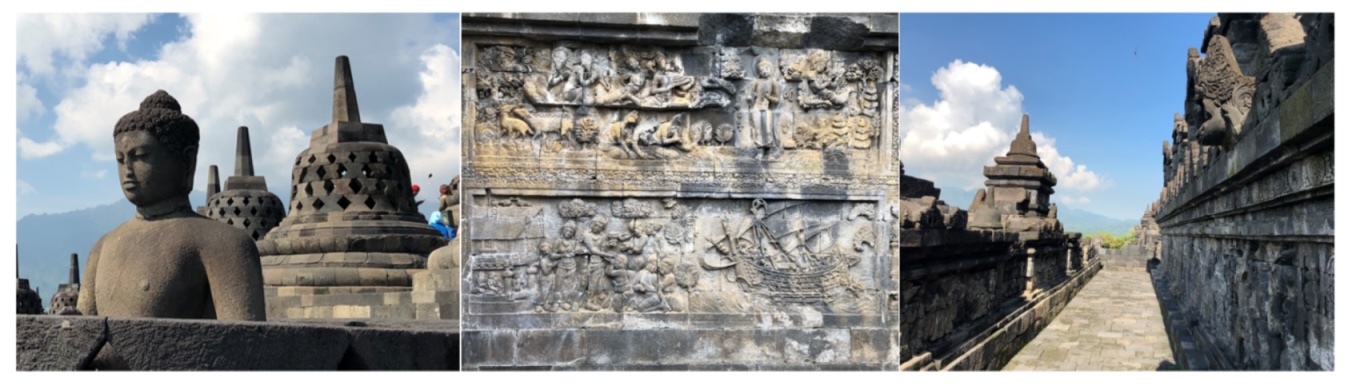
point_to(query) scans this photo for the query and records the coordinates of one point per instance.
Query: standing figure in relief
(567, 280)
(764, 97)
(598, 284)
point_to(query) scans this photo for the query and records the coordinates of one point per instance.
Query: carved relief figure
(764, 97)
(514, 120)
(1223, 93)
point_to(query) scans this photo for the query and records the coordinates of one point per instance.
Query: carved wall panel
(666, 178)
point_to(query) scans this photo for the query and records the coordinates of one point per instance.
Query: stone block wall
(1246, 216)
(679, 191)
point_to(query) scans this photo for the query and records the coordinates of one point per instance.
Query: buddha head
(156, 151)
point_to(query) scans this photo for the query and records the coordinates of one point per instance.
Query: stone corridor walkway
(1113, 324)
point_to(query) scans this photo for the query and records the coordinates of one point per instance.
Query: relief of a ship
(782, 256)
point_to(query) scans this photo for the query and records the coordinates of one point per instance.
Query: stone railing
(969, 300)
(48, 343)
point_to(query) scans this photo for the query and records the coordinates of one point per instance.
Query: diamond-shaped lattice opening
(256, 235)
(293, 190)
(309, 190)
(246, 201)
(253, 211)
(318, 204)
(351, 157)
(237, 211)
(342, 171)
(321, 171)
(220, 212)
(300, 175)
(366, 171)
(328, 186)
(247, 223)
(373, 158)
(299, 206)
(332, 158)
(344, 202)
(355, 184)
(230, 221)
(230, 202)
(312, 158)
(298, 158)
(370, 202)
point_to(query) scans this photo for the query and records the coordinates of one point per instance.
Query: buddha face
(149, 171)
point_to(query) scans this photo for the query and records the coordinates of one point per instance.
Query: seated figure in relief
(168, 261)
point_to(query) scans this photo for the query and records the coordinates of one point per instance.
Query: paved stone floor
(1113, 324)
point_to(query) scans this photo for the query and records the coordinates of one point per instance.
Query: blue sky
(1102, 90)
(77, 74)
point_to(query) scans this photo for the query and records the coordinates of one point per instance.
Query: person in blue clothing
(437, 221)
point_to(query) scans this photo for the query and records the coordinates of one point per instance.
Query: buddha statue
(168, 261)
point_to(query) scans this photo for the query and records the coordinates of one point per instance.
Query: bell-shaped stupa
(352, 220)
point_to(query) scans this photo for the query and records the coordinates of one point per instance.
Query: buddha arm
(235, 277)
(86, 303)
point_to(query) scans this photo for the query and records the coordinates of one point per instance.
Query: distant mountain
(1089, 223)
(1074, 220)
(47, 240)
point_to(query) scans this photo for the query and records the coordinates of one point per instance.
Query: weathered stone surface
(168, 261)
(352, 219)
(202, 345)
(977, 285)
(1246, 225)
(246, 202)
(624, 193)
(70, 343)
(66, 343)
(386, 349)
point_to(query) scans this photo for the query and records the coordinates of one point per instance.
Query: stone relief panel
(623, 102)
(648, 255)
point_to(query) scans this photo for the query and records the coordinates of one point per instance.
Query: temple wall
(966, 302)
(679, 191)
(1247, 223)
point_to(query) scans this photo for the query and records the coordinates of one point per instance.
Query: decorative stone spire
(344, 92)
(1023, 141)
(74, 269)
(243, 154)
(213, 182)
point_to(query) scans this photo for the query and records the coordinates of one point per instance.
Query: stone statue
(168, 261)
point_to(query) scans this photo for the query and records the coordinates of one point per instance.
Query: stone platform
(1114, 324)
(71, 342)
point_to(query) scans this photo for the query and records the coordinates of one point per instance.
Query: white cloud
(28, 149)
(25, 188)
(431, 126)
(974, 121)
(29, 106)
(1069, 175)
(274, 74)
(44, 37)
